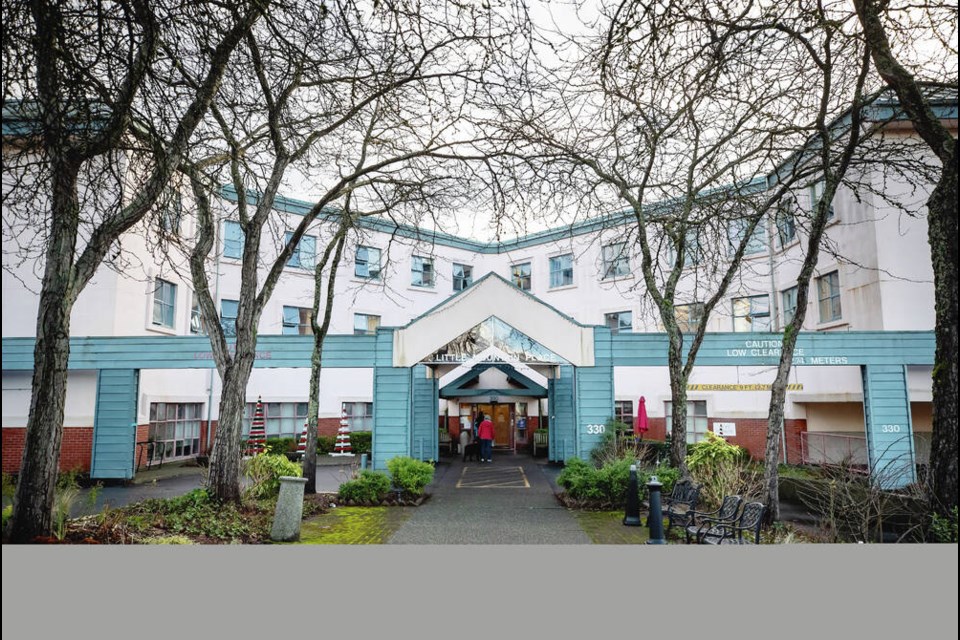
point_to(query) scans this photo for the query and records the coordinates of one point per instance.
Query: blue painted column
(115, 424)
(594, 401)
(425, 442)
(563, 431)
(889, 429)
(391, 404)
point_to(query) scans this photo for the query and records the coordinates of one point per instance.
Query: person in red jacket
(485, 433)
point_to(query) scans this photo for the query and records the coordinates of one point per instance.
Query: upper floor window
(297, 321)
(196, 317)
(421, 271)
(228, 317)
(232, 240)
(304, 254)
(828, 289)
(619, 321)
(751, 313)
(520, 275)
(689, 316)
(735, 232)
(816, 193)
(171, 213)
(789, 299)
(164, 303)
(367, 264)
(616, 262)
(365, 325)
(462, 276)
(786, 221)
(561, 270)
(692, 252)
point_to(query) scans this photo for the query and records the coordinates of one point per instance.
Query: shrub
(265, 471)
(604, 486)
(194, 513)
(325, 444)
(944, 529)
(361, 442)
(714, 450)
(409, 475)
(369, 486)
(667, 476)
(280, 446)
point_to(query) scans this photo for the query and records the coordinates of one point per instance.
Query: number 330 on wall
(596, 428)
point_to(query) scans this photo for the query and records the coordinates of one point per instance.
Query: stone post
(286, 519)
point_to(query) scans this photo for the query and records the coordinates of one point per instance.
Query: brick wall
(76, 448)
(751, 434)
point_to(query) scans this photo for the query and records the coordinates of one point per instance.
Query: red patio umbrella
(641, 425)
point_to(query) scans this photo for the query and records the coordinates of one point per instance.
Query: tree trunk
(678, 395)
(942, 230)
(224, 481)
(39, 467)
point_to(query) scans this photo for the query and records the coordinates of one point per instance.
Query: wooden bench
(446, 440)
(541, 438)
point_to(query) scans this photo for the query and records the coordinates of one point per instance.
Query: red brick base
(751, 434)
(76, 448)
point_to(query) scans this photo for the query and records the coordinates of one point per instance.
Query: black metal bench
(744, 530)
(681, 501)
(701, 522)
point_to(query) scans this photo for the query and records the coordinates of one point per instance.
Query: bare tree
(81, 77)
(929, 20)
(377, 111)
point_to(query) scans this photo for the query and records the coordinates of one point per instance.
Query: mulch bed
(390, 501)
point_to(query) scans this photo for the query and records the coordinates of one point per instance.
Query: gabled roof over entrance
(525, 386)
(493, 296)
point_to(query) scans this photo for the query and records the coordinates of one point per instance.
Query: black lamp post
(632, 516)
(655, 518)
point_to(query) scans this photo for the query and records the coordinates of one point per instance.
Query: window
(228, 317)
(756, 243)
(421, 271)
(751, 314)
(786, 221)
(462, 276)
(693, 253)
(304, 255)
(623, 411)
(561, 270)
(696, 419)
(280, 419)
(174, 430)
(616, 262)
(816, 192)
(689, 316)
(196, 317)
(232, 240)
(164, 303)
(359, 415)
(365, 325)
(828, 289)
(789, 298)
(296, 321)
(367, 263)
(520, 275)
(619, 321)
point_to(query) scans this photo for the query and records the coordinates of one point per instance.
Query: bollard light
(632, 516)
(655, 518)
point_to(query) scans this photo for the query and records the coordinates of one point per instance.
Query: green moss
(354, 525)
(606, 527)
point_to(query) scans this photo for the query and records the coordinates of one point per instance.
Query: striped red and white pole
(302, 445)
(257, 440)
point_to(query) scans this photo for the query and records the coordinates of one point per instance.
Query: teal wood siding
(851, 348)
(425, 442)
(391, 404)
(886, 410)
(594, 393)
(115, 424)
(562, 435)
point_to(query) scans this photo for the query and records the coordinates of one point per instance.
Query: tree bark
(224, 479)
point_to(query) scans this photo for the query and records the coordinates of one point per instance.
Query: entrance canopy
(519, 384)
(493, 312)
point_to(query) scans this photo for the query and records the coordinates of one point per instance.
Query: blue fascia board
(849, 348)
(473, 393)
(476, 370)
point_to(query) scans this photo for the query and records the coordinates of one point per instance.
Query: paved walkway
(508, 501)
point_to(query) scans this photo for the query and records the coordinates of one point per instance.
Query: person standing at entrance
(485, 433)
